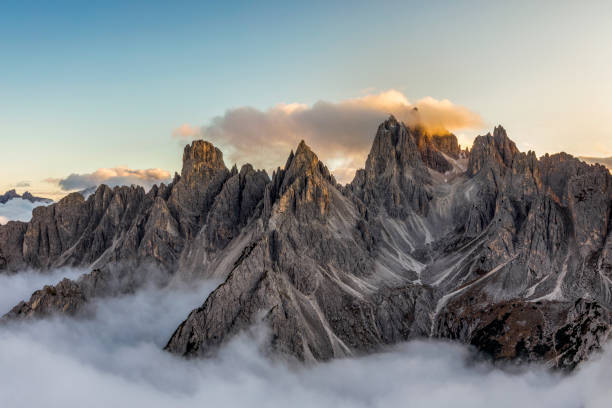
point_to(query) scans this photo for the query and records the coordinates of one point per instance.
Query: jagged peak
(201, 154)
(302, 147)
(391, 120)
(304, 161)
(304, 181)
(495, 148)
(499, 131)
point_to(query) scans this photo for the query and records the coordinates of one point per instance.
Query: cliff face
(491, 247)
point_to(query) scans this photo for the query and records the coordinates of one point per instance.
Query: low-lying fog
(116, 360)
(17, 209)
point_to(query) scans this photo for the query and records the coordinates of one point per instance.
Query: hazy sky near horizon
(85, 86)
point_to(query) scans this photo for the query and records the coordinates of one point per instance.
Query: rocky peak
(201, 156)
(304, 163)
(393, 140)
(303, 184)
(395, 175)
(202, 178)
(496, 149)
(9, 195)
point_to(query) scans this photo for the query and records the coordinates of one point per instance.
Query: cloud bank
(340, 133)
(17, 209)
(115, 359)
(15, 288)
(116, 176)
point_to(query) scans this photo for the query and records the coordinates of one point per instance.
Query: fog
(17, 209)
(116, 359)
(14, 288)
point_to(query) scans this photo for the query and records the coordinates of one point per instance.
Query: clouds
(115, 359)
(185, 131)
(113, 177)
(23, 184)
(16, 288)
(17, 209)
(340, 133)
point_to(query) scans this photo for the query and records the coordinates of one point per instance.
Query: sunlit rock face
(491, 247)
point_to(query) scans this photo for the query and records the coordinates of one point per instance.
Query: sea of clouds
(116, 360)
(17, 209)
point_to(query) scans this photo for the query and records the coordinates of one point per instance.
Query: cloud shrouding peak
(112, 177)
(341, 133)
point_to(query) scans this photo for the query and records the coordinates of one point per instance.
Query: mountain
(604, 161)
(490, 247)
(11, 194)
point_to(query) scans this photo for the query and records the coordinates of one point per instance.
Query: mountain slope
(491, 247)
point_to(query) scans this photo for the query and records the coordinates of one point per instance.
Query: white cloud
(17, 209)
(16, 288)
(116, 176)
(115, 359)
(339, 133)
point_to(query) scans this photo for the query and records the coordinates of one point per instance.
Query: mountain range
(604, 161)
(12, 194)
(489, 246)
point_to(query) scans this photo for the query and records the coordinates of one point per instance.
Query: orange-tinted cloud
(112, 177)
(341, 133)
(185, 131)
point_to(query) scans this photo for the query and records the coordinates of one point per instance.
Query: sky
(115, 89)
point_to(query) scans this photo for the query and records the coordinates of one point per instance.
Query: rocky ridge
(12, 194)
(491, 247)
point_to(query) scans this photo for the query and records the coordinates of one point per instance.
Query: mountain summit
(489, 246)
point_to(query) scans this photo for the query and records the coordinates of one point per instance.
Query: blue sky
(87, 86)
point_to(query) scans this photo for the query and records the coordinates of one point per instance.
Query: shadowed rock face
(491, 247)
(307, 277)
(395, 176)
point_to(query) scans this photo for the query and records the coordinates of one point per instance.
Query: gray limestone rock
(491, 247)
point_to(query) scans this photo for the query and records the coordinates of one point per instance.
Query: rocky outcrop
(436, 148)
(561, 334)
(74, 298)
(491, 247)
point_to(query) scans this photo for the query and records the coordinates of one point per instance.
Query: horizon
(105, 91)
(603, 161)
